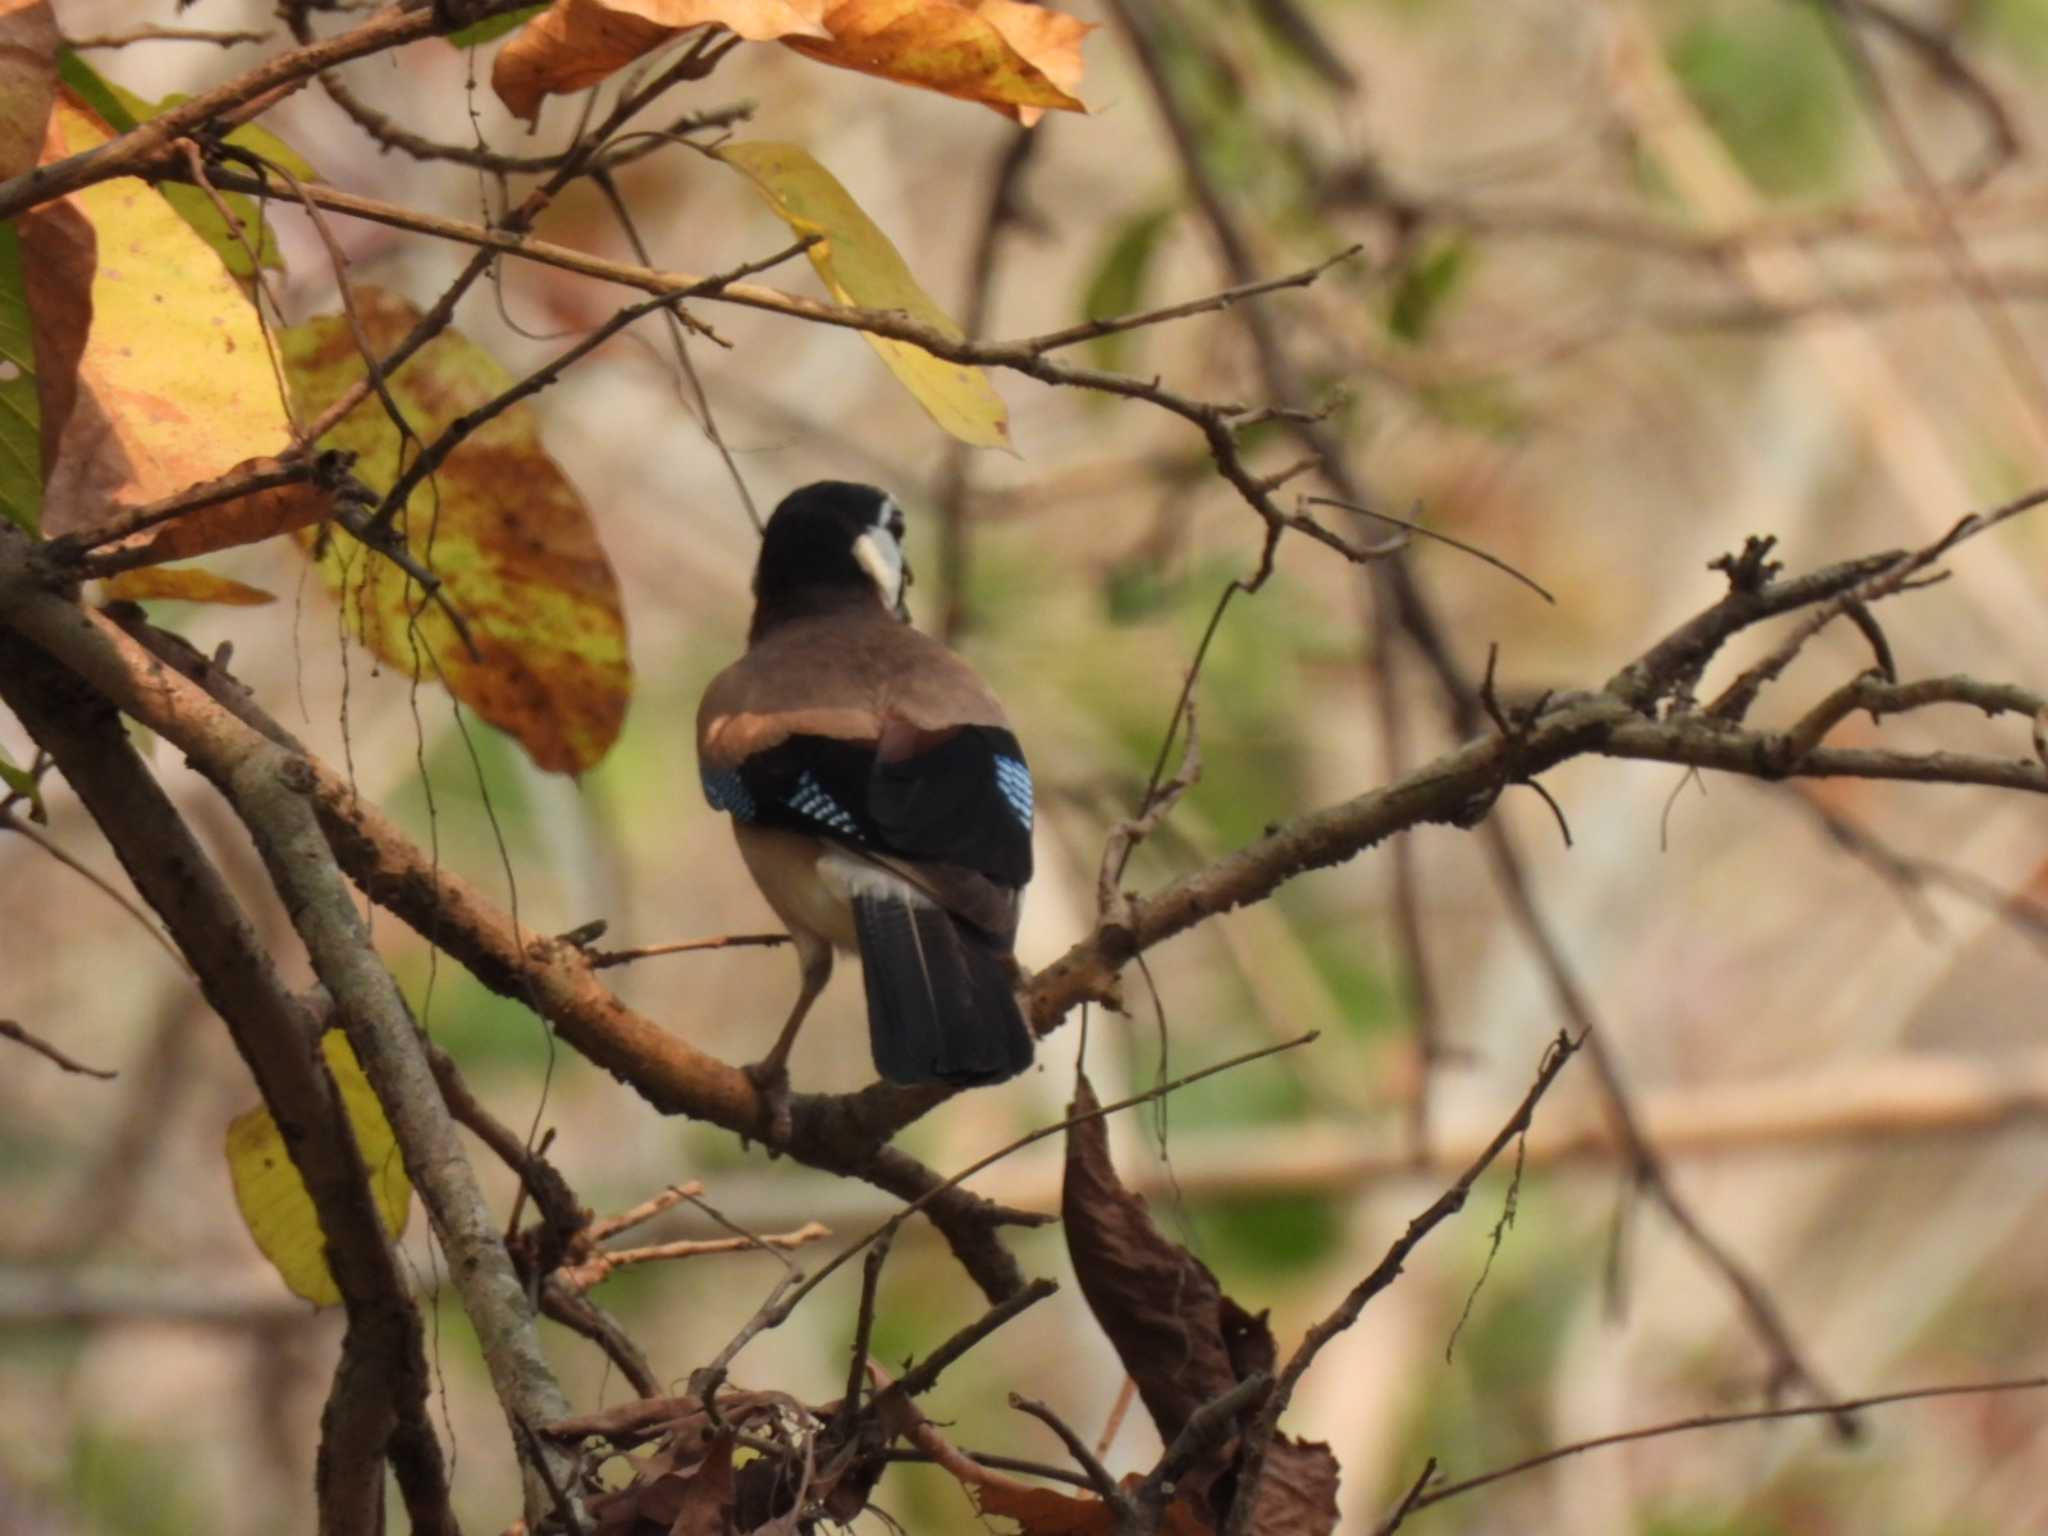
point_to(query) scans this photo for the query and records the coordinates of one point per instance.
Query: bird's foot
(771, 1084)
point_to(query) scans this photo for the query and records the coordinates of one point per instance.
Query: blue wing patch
(809, 799)
(1013, 779)
(727, 791)
(965, 801)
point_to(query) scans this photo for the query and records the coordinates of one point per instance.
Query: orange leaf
(28, 81)
(576, 43)
(1019, 59)
(245, 520)
(1048, 1512)
(185, 584)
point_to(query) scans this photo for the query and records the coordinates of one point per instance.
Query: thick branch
(380, 1389)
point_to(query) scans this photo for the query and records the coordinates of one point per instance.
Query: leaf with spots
(152, 372)
(272, 1197)
(863, 269)
(245, 243)
(499, 524)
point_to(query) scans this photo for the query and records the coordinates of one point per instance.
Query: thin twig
(600, 959)
(156, 34)
(10, 822)
(1431, 533)
(1106, 1487)
(1259, 1437)
(1834, 1410)
(889, 1227)
(9, 1030)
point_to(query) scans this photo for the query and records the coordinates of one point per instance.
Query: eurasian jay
(879, 799)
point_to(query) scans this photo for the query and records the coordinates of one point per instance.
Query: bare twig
(1832, 1410)
(148, 33)
(1788, 1364)
(1431, 533)
(600, 959)
(598, 1268)
(1259, 1436)
(9, 1030)
(1106, 1487)
(27, 829)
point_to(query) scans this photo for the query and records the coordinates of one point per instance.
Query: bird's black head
(828, 545)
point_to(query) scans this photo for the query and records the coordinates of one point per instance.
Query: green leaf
(123, 110)
(21, 416)
(491, 28)
(1425, 286)
(21, 782)
(272, 1197)
(1118, 286)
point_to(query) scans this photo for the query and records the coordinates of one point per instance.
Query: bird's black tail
(940, 1008)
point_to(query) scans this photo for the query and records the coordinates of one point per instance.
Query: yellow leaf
(151, 368)
(498, 523)
(1017, 58)
(862, 268)
(185, 584)
(272, 1197)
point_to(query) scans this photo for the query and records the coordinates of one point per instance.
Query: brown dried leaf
(1048, 1512)
(1182, 1340)
(1045, 1511)
(28, 81)
(1298, 1490)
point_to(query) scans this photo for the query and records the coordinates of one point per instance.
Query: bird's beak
(903, 593)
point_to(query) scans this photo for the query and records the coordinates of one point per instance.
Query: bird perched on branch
(877, 794)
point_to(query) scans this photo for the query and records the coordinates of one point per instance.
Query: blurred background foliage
(1594, 331)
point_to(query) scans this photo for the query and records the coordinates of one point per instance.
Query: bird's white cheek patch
(882, 558)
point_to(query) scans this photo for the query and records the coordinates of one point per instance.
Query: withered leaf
(501, 526)
(245, 520)
(1049, 1512)
(185, 584)
(1297, 1490)
(1019, 59)
(28, 81)
(1183, 1341)
(1177, 1334)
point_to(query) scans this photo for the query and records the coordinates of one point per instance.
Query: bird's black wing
(961, 797)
